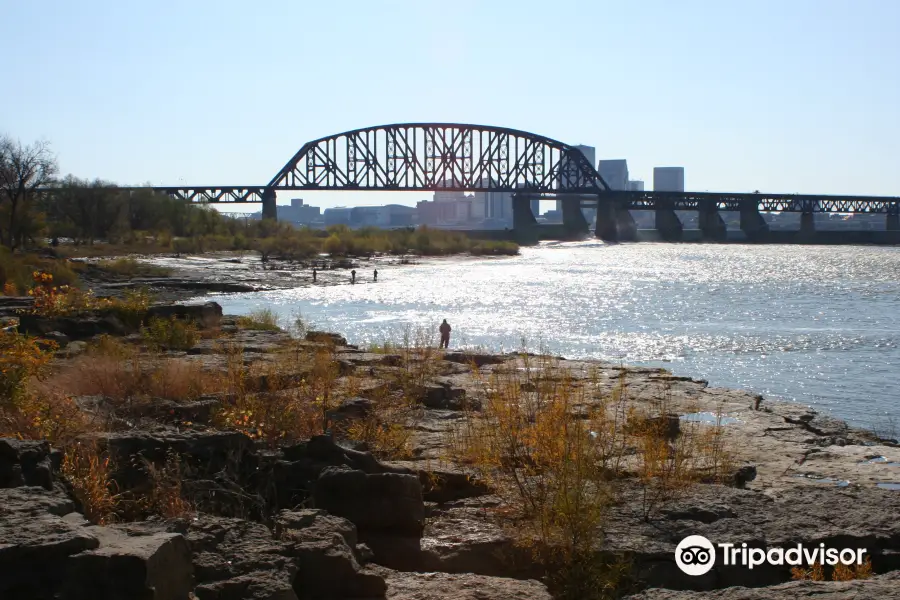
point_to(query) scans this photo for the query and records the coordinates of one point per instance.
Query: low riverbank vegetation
(563, 455)
(95, 218)
(129, 267)
(264, 319)
(17, 271)
(170, 334)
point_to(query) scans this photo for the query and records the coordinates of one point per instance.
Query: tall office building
(636, 186)
(668, 179)
(590, 153)
(614, 173)
(499, 206)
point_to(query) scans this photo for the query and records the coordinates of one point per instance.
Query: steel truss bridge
(455, 157)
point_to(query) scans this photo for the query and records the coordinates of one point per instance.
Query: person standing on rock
(445, 330)
(375, 275)
(353, 276)
(314, 274)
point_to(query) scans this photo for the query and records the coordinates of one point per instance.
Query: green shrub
(18, 270)
(130, 267)
(262, 319)
(170, 334)
(132, 308)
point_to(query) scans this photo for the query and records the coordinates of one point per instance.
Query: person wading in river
(445, 334)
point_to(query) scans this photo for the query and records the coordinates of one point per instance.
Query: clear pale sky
(776, 95)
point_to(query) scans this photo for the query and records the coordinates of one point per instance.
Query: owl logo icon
(695, 555)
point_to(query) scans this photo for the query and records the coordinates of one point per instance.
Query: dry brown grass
(170, 334)
(51, 416)
(840, 572)
(123, 375)
(165, 497)
(280, 400)
(557, 450)
(88, 473)
(387, 429)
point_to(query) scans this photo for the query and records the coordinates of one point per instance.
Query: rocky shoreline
(231, 272)
(321, 519)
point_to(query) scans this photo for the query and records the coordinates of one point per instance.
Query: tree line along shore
(95, 218)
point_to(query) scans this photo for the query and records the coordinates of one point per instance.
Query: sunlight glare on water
(815, 324)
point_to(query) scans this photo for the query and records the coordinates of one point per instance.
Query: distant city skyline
(752, 96)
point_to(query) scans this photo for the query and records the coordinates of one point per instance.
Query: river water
(815, 324)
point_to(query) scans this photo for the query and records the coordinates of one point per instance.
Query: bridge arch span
(439, 156)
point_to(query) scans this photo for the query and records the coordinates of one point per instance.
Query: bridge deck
(765, 202)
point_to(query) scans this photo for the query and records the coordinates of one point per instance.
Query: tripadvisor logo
(696, 555)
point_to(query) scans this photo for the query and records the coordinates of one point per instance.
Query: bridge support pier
(807, 224)
(626, 228)
(893, 222)
(668, 224)
(711, 223)
(573, 219)
(606, 228)
(752, 223)
(523, 217)
(269, 207)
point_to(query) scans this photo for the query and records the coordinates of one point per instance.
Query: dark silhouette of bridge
(455, 157)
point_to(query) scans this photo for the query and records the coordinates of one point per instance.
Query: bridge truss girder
(801, 203)
(439, 157)
(214, 194)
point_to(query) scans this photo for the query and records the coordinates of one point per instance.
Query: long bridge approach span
(458, 157)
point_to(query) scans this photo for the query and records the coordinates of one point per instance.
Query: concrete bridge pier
(524, 223)
(752, 223)
(573, 219)
(807, 225)
(668, 224)
(607, 227)
(626, 228)
(711, 223)
(893, 222)
(269, 207)
(522, 215)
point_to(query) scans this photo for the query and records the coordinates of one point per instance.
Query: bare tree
(23, 170)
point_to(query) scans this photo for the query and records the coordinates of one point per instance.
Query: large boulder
(207, 315)
(219, 469)
(882, 587)
(462, 586)
(235, 559)
(380, 502)
(25, 462)
(323, 450)
(48, 551)
(152, 567)
(324, 550)
(208, 452)
(36, 542)
(332, 339)
(442, 394)
(311, 556)
(836, 517)
(461, 538)
(74, 328)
